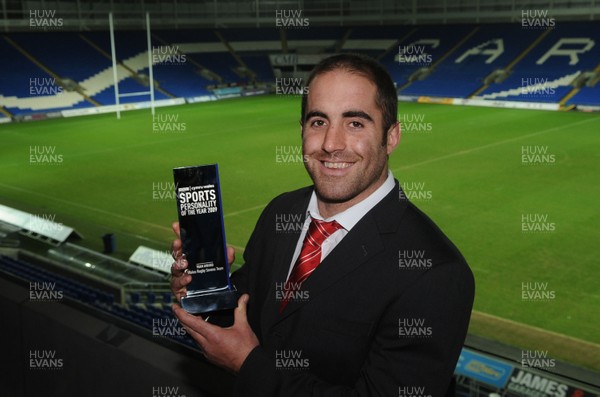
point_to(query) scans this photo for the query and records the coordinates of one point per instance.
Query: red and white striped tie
(310, 255)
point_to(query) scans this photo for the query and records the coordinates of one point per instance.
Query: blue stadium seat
(464, 71)
(555, 72)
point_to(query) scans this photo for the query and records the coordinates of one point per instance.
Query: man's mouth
(337, 165)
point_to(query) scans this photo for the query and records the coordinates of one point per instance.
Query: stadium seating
(589, 96)
(459, 59)
(432, 42)
(19, 80)
(542, 78)
(70, 57)
(142, 310)
(464, 71)
(176, 76)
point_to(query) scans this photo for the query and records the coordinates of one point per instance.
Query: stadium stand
(22, 79)
(21, 70)
(70, 56)
(430, 45)
(103, 283)
(492, 47)
(586, 96)
(545, 74)
(489, 62)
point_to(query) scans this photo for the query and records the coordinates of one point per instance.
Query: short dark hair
(386, 98)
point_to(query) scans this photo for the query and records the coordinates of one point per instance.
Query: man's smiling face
(343, 139)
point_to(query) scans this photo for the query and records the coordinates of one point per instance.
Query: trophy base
(210, 301)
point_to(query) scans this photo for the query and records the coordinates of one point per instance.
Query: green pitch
(516, 190)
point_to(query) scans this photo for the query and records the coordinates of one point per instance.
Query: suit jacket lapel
(361, 244)
(283, 253)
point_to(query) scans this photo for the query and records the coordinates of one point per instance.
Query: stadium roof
(82, 15)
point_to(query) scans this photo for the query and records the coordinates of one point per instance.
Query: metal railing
(87, 15)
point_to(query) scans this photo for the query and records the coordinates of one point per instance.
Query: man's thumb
(240, 313)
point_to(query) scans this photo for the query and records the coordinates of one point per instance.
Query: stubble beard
(337, 190)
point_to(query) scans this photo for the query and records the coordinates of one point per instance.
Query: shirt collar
(350, 217)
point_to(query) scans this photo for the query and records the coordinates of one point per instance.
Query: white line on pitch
(85, 207)
(242, 211)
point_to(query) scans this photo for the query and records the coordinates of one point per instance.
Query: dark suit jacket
(370, 325)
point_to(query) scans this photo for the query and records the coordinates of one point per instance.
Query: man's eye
(356, 124)
(317, 123)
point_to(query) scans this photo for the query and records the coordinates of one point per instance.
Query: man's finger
(175, 227)
(176, 249)
(240, 314)
(177, 245)
(200, 340)
(196, 324)
(181, 282)
(230, 255)
(178, 267)
(187, 321)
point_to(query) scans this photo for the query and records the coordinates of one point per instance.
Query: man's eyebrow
(357, 113)
(315, 113)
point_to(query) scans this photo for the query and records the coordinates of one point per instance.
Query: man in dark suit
(368, 297)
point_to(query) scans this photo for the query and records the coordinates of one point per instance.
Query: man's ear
(393, 137)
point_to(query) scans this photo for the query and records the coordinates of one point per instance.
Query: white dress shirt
(347, 219)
